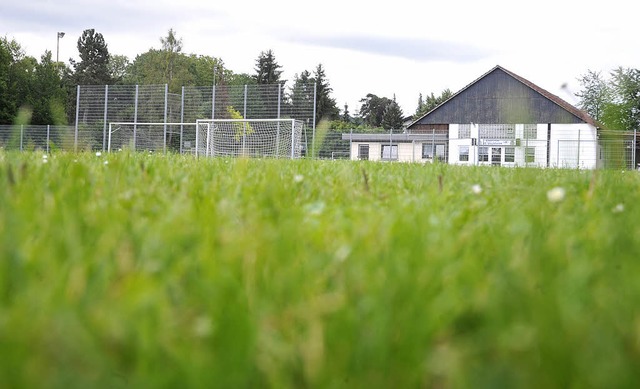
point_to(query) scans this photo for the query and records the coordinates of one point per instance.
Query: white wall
(573, 146)
(406, 151)
(570, 146)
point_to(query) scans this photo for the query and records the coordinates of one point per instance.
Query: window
(464, 153)
(427, 150)
(483, 154)
(363, 152)
(389, 152)
(439, 150)
(464, 131)
(530, 131)
(529, 154)
(509, 154)
(496, 131)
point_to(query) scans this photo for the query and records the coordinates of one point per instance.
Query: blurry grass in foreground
(148, 270)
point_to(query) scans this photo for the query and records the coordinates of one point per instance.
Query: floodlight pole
(60, 35)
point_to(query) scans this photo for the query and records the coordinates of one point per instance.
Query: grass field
(136, 270)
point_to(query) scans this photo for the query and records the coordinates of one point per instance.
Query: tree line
(43, 91)
(613, 100)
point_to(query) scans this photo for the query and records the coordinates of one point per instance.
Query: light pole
(60, 35)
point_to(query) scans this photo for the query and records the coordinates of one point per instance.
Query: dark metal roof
(502, 97)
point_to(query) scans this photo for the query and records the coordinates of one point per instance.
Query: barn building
(500, 119)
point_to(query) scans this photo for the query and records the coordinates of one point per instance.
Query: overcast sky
(399, 47)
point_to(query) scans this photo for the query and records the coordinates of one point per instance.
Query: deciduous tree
(431, 102)
(118, 67)
(594, 95)
(171, 49)
(615, 102)
(373, 108)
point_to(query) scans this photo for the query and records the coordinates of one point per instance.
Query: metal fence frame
(99, 105)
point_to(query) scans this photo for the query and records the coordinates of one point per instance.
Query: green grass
(165, 271)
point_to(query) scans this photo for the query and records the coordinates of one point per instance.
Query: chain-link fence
(31, 137)
(611, 150)
(99, 105)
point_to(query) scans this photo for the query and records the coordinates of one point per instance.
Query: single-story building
(500, 119)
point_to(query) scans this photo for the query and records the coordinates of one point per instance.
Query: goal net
(264, 138)
(157, 137)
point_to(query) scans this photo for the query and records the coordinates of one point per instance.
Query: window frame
(431, 146)
(483, 154)
(393, 146)
(529, 155)
(463, 153)
(509, 154)
(530, 131)
(361, 147)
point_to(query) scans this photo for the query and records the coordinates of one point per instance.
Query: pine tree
(345, 114)
(93, 68)
(392, 119)
(420, 108)
(302, 91)
(267, 68)
(325, 105)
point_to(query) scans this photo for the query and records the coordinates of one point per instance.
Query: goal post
(263, 138)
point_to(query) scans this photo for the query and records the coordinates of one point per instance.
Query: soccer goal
(264, 138)
(157, 137)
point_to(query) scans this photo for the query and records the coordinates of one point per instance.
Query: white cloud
(402, 47)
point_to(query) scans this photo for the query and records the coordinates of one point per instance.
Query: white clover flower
(618, 208)
(98, 154)
(106, 162)
(556, 194)
(202, 327)
(45, 156)
(298, 178)
(476, 189)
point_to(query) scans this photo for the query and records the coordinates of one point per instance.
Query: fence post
(313, 133)
(244, 124)
(135, 118)
(433, 145)
(634, 149)
(578, 162)
(478, 146)
(390, 144)
(48, 132)
(75, 136)
(278, 127)
(181, 119)
(213, 96)
(293, 135)
(413, 150)
(106, 110)
(21, 135)
(164, 131)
